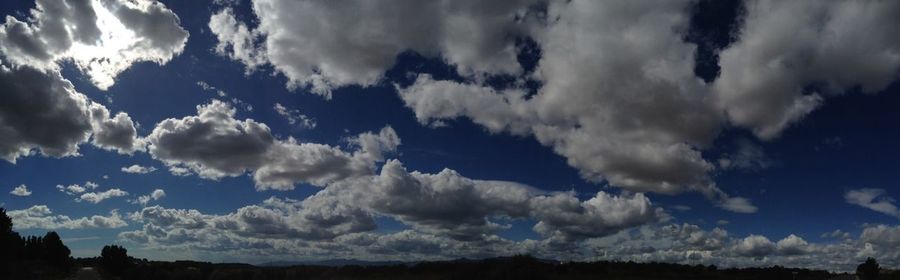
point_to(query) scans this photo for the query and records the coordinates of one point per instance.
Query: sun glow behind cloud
(112, 54)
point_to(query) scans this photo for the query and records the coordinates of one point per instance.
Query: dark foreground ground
(521, 267)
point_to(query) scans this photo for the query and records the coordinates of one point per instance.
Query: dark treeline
(47, 257)
(32, 257)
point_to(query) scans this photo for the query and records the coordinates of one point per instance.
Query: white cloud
(874, 199)
(792, 245)
(138, 169)
(474, 36)
(563, 215)
(207, 87)
(294, 117)
(214, 144)
(273, 219)
(41, 110)
(102, 38)
(21, 190)
(40, 217)
(613, 76)
(97, 197)
(118, 133)
(55, 125)
(75, 189)
(737, 204)
(450, 214)
(756, 246)
(785, 46)
(87, 192)
(157, 194)
(445, 203)
(882, 235)
(618, 97)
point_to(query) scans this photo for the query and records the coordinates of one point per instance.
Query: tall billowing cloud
(213, 144)
(785, 47)
(41, 110)
(354, 47)
(619, 98)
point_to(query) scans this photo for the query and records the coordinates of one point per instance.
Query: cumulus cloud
(451, 205)
(882, 235)
(138, 169)
(563, 215)
(756, 246)
(40, 217)
(474, 36)
(311, 219)
(607, 103)
(616, 95)
(21, 190)
(873, 199)
(786, 46)
(102, 38)
(792, 245)
(447, 212)
(236, 40)
(446, 203)
(118, 133)
(157, 194)
(214, 144)
(97, 197)
(41, 110)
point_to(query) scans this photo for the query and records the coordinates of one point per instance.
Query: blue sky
(795, 181)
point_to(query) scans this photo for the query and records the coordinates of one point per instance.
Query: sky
(733, 133)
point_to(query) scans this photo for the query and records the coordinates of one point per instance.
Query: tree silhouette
(868, 270)
(55, 252)
(115, 259)
(9, 241)
(5, 223)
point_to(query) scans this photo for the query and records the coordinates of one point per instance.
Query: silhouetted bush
(55, 252)
(10, 242)
(868, 270)
(114, 259)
